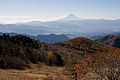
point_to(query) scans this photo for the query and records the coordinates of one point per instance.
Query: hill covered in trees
(50, 38)
(83, 56)
(82, 44)
(111, 40)
(77, 48)
(19, 51)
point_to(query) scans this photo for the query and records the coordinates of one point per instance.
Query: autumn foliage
(81, 68)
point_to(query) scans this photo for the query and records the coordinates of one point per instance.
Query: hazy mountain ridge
(69, 26)
(50, 38)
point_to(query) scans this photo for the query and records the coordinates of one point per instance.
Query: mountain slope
(83, 44)
(78, 46)
(111, 40)
(19, 51)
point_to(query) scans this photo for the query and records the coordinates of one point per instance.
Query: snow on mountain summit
(70, 17)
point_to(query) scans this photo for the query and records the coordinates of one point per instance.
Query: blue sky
(25, 10)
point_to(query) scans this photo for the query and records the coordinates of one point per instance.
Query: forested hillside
(110, 40)
(79, 45)
(19, 51)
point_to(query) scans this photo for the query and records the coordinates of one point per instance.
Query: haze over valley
(70, 25)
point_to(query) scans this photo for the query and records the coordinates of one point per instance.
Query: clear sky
(43, 10)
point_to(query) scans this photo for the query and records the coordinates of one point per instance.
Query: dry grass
(42, 73)
(17, 75)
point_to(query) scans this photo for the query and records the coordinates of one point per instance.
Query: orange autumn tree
(81, 68)
(50, 58)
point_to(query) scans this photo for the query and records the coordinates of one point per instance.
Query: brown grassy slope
(44, 73)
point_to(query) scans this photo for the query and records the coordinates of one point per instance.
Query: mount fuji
(70, 17)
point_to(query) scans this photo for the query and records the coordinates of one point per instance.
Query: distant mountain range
(71, 25)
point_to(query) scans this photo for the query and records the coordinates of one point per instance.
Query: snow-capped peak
(70, 17)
